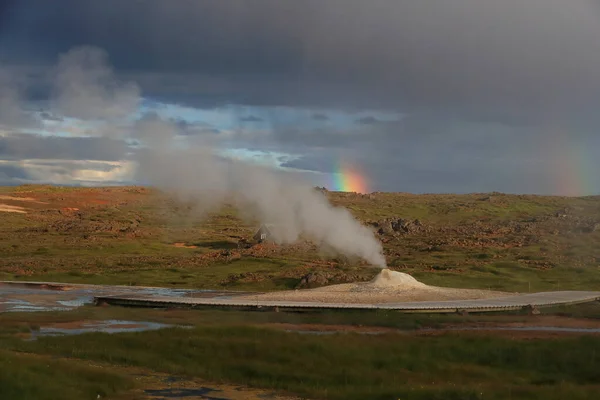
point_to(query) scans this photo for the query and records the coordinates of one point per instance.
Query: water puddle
(107, 326)
(334, 332)
(27, 296)
(190, 390)
(555, 329)
(182, 393)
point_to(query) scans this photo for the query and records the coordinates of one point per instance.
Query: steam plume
(86, 83)
(294, 208)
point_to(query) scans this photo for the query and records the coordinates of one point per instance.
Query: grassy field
(247, 349)
(137, 236)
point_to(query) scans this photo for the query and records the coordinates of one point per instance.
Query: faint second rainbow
(572, 168)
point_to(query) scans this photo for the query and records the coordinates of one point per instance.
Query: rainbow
(348, 179)
(572, 161)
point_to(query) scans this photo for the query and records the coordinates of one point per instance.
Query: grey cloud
(313, 162)
(428, 153)
(320, 117)
(485, 85)
(540, 58)
(369, 120)
(10, 174)
(11, 97)
(63, 172)
(186, 128)
(73, 165)
(251, 118)
(50, 116)
(25, 146)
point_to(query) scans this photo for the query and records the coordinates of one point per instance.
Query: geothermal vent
(388, 279)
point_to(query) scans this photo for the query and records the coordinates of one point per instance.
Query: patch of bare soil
(35, 285)
(330, 328)
(509, 334)
(550, 326)
(13, 209)
(15, 198)
(538, 321)
(387, 287)
(184, 246)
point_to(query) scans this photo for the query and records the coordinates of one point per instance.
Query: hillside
(138, 236)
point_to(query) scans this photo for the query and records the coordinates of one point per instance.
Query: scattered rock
(323, 278)
(391, 226)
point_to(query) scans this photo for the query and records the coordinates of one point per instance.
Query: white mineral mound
(387, 286)
(394, 280)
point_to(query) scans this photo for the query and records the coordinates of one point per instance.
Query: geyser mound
(388, 279)
(386, 287)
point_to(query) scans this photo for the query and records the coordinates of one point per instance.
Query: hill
(139, 236)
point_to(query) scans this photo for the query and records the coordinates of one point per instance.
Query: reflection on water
(182, 393)
(106, 326)
(334, 332)
(56, 297)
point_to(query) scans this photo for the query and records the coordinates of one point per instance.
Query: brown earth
(184, 246)
(14, 209)
(483, 328)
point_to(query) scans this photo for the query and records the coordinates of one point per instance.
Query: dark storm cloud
(320, 117)
(187, 128)
(251, 118)
(369, 120)
(428, 153)
(315, 163)
(11, 173)
(24, 146)
(484, 85)
(513, 57)
(50, 117)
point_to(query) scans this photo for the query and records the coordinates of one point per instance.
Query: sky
(428, 96)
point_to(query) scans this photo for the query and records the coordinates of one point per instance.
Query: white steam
(86, 88)
(293, 207)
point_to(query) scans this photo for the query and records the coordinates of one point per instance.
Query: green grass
(236, 347)
(26, 377)
(512, 277)
(350, 366)
(214, 276)
(457, 249)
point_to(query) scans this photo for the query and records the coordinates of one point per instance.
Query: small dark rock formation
(392, 226)
(323, 278)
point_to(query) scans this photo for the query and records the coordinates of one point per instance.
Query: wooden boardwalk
(515, 302)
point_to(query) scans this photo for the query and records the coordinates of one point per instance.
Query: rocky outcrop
(321, 278)
(393, 226)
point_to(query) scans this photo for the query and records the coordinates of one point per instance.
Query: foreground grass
(26, 377)
(236, 347)
(350, 366)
